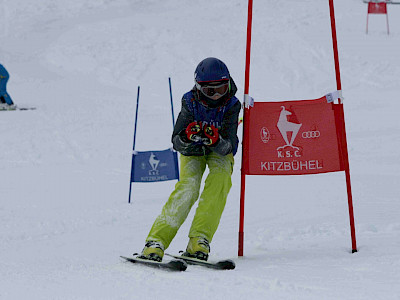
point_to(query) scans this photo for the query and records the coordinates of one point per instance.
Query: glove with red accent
(193, 131)
(210, 135)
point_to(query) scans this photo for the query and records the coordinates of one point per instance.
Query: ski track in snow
(64, 216)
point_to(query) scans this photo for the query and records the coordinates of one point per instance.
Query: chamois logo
(265, 135)
(289, 131)
(153, 161)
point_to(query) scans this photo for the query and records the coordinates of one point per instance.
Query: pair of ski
(179, 263)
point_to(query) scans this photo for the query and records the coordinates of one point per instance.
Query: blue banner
(153, 166)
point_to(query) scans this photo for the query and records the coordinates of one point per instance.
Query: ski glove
(210, 136)
(193, 132)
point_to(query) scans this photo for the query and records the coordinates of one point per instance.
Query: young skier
(5, 100)
(206, 135)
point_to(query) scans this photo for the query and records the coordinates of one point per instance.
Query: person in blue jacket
(5, 99)
(205, 134)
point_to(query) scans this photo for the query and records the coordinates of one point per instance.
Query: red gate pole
(245, 141)
(343, 129)
(335, 47)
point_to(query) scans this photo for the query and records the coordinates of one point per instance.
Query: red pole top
(335, 47)
(248, 47)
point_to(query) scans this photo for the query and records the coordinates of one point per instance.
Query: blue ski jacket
(4, 76)
(224, 115)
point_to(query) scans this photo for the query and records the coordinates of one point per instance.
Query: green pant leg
(213, 198)
(181, 200)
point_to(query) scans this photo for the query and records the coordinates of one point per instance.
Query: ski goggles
(213, 91)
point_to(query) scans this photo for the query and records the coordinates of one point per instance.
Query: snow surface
(64, 168)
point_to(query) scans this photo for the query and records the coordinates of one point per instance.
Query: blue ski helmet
(211, 69)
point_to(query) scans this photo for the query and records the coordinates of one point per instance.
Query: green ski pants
(211, 203)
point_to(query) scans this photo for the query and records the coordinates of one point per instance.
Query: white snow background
(65, 167)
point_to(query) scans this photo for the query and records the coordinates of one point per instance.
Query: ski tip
(125, 258)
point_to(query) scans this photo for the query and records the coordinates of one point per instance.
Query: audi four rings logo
(311, 134)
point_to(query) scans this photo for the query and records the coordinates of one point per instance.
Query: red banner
(377, 8)
(292, 138)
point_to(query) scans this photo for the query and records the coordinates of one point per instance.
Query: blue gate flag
(154, 166)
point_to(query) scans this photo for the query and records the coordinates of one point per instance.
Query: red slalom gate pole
(335, 47)
(343, 129)
(245, 142)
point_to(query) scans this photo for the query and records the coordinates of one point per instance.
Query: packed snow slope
(65, 167)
